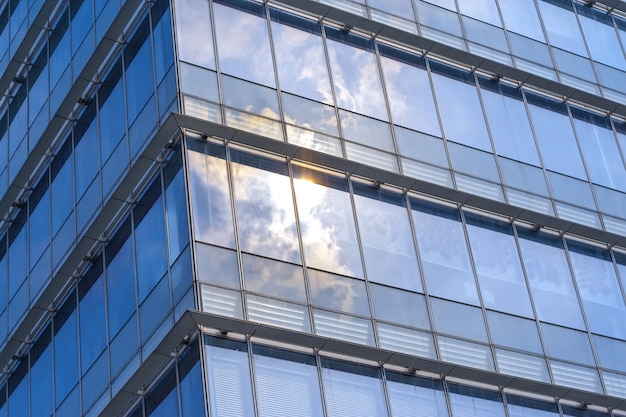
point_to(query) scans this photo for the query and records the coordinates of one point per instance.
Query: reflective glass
(92, 322)
(467, 401)
(250, 97)
(327, 223)
(217, 265)
(274, 278)
(212, 213)
(264, 203)
(601, 37)
(300, 57)
(460, 110)
(443, 250)
(556, 141)
(562, 28)
(365, 130)
(610, 353)
(465, 353)
(508, 120)
(399, 306)
(281, 375)
(526, 407)
(120, 278)
(567, 344)
(409, 395)
(228, 378)
(521, 17)
(355, 74)
(351, 389)
(309, 114)
(386, 238)
(485, 10)
(243, 44)
(549, 278)
(338, 293)
(151, 259)
(514, 332)
(599, 290)
(408, 89)
(446, 315)
(498, 266)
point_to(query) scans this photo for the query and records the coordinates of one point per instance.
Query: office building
(313, 208)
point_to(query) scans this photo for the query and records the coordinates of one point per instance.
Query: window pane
(567, 344)
(445, 260)
(399, 306)
(408, 392)
(338, 293)
(514, 332)
(467, 401)
(446, 315)
(562, 27)
(274, 278)
(521, 17)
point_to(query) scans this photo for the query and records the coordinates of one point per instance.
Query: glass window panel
(92, 323)
(355, 75)
(602, 156)
(278, 313)
(386, 237)
(485, 10)
(274, 278)
(243, 45)
(523, 366)
(567, 344)
(314, 140)
(151, 259)
(198, 82)
(549, 278)
(498, 266)
(371, 157)
(485, 34)
(220, 301)
(526, 407)
(300, 58)
(474, 162)
(573, 64)
(422, 147)
(601, 38)
(351, 389)
(66, 371)
(599, 290)
(468, 401)
(562, 28)
(614, 384)
(120, 280)
(264, 202)
(530, 50)
(443, 250)
(580, 377)
(366, 131)
(210, 197)
(611, 352)
(557, 142)
(41, 401)
(281, 375)
(446, 315)
(461, 111)
(399, 306)
(465, 353)
(521, 17)
(258, 124)
(338, 293)
(571, 190)
(514, 332)
(438, 18)
(217, 265)
(406, 392)
(327, 223)
(250, 97)
(228, 378)
(610, 201)
(408, 89)
(399, 7)
(401, 339)
(523, 176)
(508, 120)
(310, 114)
(343, 327)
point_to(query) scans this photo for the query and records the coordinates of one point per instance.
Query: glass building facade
(313, 208)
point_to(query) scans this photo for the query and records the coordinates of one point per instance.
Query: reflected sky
(265, 214)
(195, 42)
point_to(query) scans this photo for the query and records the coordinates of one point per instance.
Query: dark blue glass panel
(191, 392)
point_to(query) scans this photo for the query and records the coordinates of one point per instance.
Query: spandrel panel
(327, 223)
(549, 278)
(521, 17)
(409, 92)
(443, 251)
(562, 28)
(351, 389)
(498, 266)
(300, 58)
(264, 202)
(386, 237)
(406, 392)
(212, 213)
(600, 293)
(461, 112)
(286, 383)
(243, 44)
(273, 278)
(355, 75)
